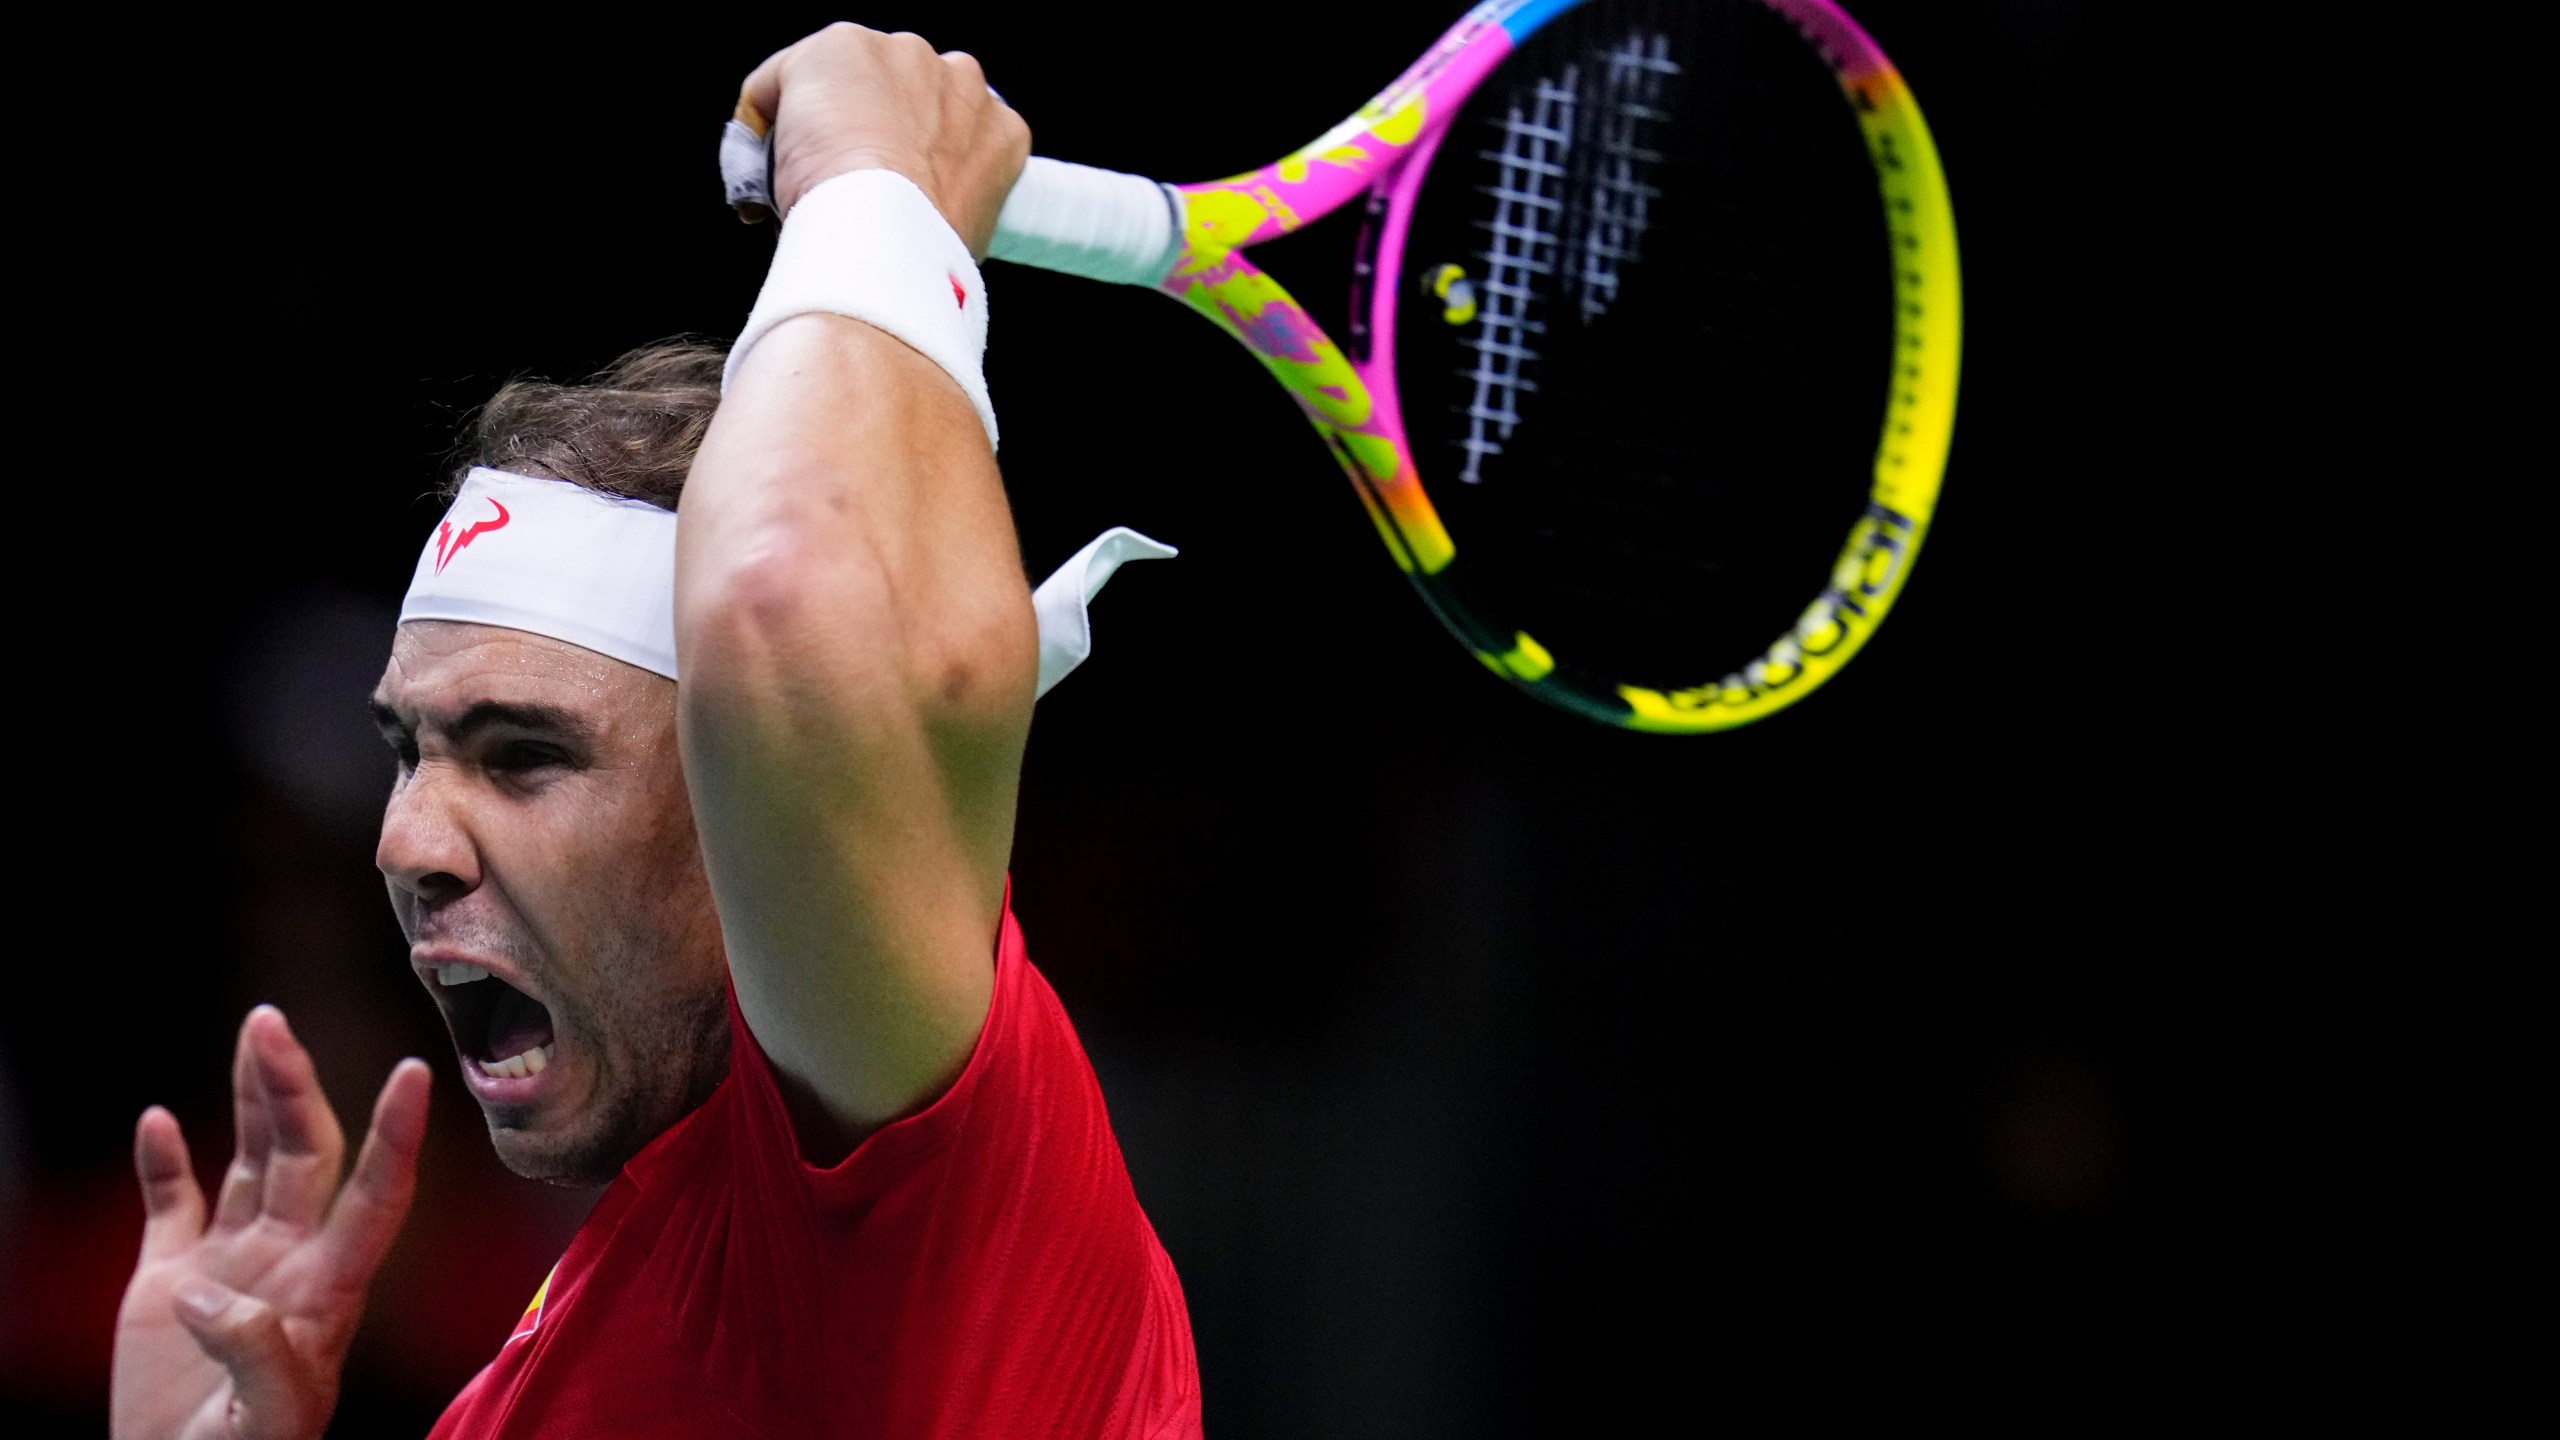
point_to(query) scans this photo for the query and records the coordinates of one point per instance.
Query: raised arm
(856, 634)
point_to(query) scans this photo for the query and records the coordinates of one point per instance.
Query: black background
(1483, 1070)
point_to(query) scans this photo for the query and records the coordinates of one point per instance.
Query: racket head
(1646, 318)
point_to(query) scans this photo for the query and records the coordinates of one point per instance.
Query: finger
(759, 98)
(172, 1201)
(376, 1198)
(761, 95)
(974, 77)
(970, 89)
(273, 1392)
(911, 50)
(972, 74)
(252, 1137)
(308, 1148)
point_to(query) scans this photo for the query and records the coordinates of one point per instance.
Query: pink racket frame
(1381, 153)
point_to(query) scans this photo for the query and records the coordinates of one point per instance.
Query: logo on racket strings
(450, 542)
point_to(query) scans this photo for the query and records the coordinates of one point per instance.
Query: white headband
(556, 559)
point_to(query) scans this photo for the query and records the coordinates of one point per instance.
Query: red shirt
(978, 1269)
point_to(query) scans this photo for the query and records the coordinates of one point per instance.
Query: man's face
(539, 831)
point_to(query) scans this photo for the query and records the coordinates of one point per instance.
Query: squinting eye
(527, 755)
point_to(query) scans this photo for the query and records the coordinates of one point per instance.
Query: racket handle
(1100, 224)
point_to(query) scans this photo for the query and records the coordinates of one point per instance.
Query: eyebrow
(492, 714)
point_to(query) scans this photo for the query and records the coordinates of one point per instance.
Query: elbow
(753, 618)
(765, 589)
(751, 599)
(784, 622)
(978, 663)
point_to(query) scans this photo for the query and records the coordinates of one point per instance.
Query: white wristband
(867, 244)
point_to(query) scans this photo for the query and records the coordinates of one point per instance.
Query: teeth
(459, 974)
(517, 1067)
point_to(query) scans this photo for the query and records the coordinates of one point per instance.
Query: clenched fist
(848, 98)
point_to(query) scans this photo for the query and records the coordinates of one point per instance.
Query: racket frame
(1379, 156)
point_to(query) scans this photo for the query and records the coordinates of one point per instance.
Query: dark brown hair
(630, 429)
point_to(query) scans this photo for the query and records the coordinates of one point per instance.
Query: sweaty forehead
(439, 668)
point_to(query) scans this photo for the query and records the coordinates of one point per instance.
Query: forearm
(858, 655)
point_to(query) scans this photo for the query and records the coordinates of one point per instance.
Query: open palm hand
(237, 1329)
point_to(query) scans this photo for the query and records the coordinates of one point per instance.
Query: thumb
(273, 1392)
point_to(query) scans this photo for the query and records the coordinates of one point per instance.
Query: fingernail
(203, 1297)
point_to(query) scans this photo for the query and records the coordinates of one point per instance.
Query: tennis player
(699, 839)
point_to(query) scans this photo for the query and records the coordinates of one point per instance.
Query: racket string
(1620, 194)
(1661, 404)
(1519, 250)
(1572, 201)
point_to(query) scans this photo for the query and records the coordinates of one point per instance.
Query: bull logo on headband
(450, 542)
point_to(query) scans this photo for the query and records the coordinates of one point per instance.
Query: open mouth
(499, 1028)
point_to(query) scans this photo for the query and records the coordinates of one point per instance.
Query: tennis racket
(1643, 319)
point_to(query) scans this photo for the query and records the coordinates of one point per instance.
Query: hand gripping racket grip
(1100, 224)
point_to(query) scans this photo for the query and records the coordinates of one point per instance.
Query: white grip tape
(869, 245)
(1100, 224)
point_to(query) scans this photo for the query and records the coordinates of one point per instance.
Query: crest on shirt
(533, 1313)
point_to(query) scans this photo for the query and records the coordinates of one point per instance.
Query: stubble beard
(658, 1057)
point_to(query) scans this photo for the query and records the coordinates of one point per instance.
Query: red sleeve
(980, 1268)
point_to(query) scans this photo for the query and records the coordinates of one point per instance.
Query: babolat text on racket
(1643, 319)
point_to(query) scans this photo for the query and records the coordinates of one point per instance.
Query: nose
(426, 849)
